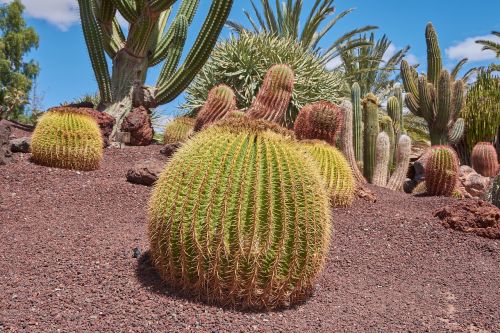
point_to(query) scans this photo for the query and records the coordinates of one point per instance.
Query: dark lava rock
(170, 149)
(21, 145)
(138, 124)
(145, 173)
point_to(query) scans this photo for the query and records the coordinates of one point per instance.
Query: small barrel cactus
(335, 170)
(441, 171)
(484, 159)
(68, 140)
(370, 120)
(319, 121)
(274, 95)
(403, 152)
(346, 141)
(221, 101)
(240, 217)
(178, 130)
(382, 157)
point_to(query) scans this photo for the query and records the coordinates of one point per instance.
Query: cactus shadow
(149, 278)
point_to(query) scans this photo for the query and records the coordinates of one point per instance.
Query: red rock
(138, 124)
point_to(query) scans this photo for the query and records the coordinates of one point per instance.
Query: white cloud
(334, 63)
(61, 13)
(468, 48)
(392, 49)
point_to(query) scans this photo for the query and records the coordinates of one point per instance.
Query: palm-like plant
(367, 65)
(490, 44)
(284, 21)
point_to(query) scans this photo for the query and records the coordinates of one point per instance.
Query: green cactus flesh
(335, 170)
(441, 171)
(240, 217)
(178, 130)
(68, 140)
(357, 122)
(370, 119)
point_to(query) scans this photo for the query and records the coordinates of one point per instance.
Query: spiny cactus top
(335, 170)
(321, 120)
(178, 130)
(274, 95)
(69, 140)
(441, 171)
(221, 100)
(484, 159)
(240, 217)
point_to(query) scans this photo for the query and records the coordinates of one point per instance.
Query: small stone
(136, 252)
(145, 173)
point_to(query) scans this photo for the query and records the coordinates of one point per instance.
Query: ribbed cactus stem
(240, 217)
(434, 62)
(274, 95)
(335, 170)
(403, 152)
(387, 126)
(346, 141)
(371, 130)
(357, 122)
(484, 159)
(178, 130)
(398, 94)
(394, 112)
(321, 121)
(381, 160)
(221, 100)
(441, 171)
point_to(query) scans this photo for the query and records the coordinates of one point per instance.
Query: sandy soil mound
(475, 216)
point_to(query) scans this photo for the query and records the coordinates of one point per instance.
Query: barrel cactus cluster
(240, 217)
(68, 140)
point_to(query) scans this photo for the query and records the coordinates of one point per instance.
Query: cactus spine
(370, 119)
(240, 217)
(274, 95)
(441, 171)
(335, 170)
(321, 120)
(68, 140)
(357, 122)
(435, 97)
(398, 94)
(484, 159)
(382, 155)
(147, 44)
(221, 100)
(178, 130)
(346, 141)
(403, 151)
(387, 126)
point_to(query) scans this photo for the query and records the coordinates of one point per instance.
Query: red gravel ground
(66, 264)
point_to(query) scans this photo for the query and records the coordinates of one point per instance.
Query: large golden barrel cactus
(68, 140)
(335, 170)
(240, 217)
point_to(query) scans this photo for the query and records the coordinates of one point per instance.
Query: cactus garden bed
(68, 239)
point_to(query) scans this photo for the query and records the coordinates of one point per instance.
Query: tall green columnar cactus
(441, 171)
(435, 97)
(240, 217)
(383, 152)
(346, 144)
(274, 95)
(387, 126)
(398, 94)
(394, 112)
(371, 130)
(357, 122)
(221, 100)
(403, 151)
(148, 43)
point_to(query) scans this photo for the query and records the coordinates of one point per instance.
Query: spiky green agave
(240, 217)
(68, 140)
(178, 130)
(335, 170)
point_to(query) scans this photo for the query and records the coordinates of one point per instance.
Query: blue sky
(66, 72)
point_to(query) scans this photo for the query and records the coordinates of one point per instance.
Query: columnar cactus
(484, 159)
(387, 126)
(346, 141)
(148, 43)
(178, 130)
(274, 95)
(441, 171)
(403, 151)
(370, 119)
(435, 97)
(221, 100)
(335, 170)
(68, 140)
(321, 120)
(240, 217)
(357, 122)
(382, 155)
(394, 112)
(398, 94)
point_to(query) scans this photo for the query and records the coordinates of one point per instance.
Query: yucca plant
(148, 43)
(241, 62)
(240, 217)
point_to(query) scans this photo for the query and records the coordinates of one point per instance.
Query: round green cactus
(240, 217)
(484, 159)
(68, 140)
(178, 130)
(441, 171)
(335, 170)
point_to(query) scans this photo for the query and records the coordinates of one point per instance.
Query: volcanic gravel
(68, 241)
